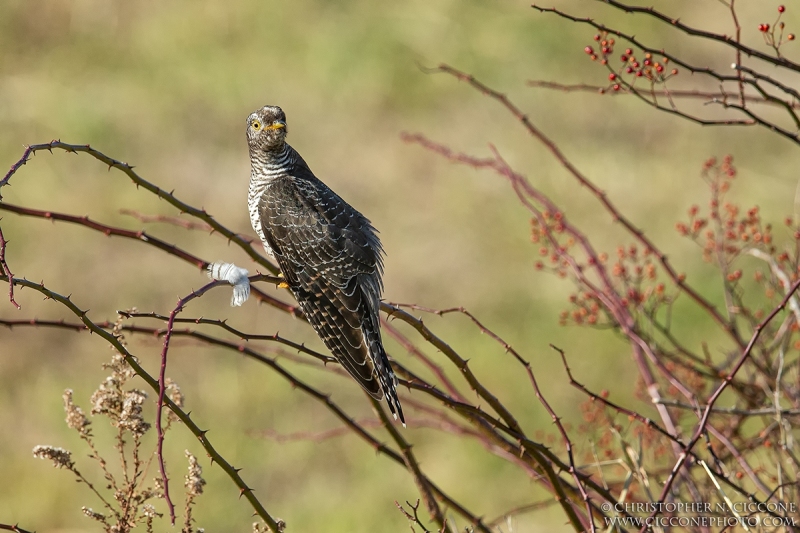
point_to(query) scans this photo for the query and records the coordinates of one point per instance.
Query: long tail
(389, 384)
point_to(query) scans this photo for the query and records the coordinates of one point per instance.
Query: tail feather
(389, 385)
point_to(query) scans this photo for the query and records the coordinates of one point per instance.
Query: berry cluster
(634, 274)
(725, 234)
(773, 34)
(553, 227)
(634, 67)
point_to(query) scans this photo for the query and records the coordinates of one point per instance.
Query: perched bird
(329, 253)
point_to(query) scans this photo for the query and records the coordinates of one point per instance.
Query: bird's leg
(234, 275)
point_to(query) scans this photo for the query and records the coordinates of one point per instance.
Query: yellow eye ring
(256, 125)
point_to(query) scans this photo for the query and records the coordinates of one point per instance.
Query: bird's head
(266, 128)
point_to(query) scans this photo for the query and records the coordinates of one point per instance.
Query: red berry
(781, 9)
(596, 37)
(790, 37)
(659, 68)
(623, 58)
(629, 51)
(589, 50)
(616, 87)
(629, 70)
(639, 74)
(674, 72)
(647, 62)
(612, 76)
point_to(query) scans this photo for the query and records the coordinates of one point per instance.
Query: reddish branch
(145, 238)
(606, 294)
(701, 427)
(174, 221)
(242, 335)
(6, 269)
(643, 345)
(650, 424)
(107, 230)
(162, 387)
(601, 196)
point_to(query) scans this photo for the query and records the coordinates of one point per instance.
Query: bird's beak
(277, 125)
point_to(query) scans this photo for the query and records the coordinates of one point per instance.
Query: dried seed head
(120, 368)
(61, 458)
(88, 511)
(173, 393)
(194, 479)
(158, 487)
(107, 399)
(131, 415)
(76, 419)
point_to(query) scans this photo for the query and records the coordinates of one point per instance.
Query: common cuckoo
(329, 254)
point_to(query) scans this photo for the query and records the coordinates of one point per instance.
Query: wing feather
(332, 261)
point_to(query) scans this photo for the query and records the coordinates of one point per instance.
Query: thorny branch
(15, 529)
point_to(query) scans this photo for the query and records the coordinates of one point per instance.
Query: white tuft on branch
(234, 275)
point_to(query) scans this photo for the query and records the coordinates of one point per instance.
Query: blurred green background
(167, 86)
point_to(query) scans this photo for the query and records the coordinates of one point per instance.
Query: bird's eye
(256, 125)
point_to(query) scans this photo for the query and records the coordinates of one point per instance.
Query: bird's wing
(331, 259)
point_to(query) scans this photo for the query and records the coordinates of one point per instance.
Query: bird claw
(283, 285)
(234, 275)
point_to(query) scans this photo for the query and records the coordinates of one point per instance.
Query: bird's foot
(234, 275)
(282, 284)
